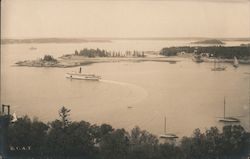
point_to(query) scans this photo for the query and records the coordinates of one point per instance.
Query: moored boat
(218, 67)
(172, 62)
(223, 68)
(167, 136)
(229, 120)
(33, 48)
(225, 119)
(197, 59)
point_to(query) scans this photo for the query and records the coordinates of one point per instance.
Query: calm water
(190, 95)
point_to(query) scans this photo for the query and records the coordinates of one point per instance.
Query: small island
(46, 61)
(209, 42)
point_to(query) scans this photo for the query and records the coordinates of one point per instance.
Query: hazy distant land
(109, 39)
(209, 42)
(51, 40)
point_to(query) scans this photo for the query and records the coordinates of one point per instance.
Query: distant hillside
(210, 41)
(200, 40)
(51, 40)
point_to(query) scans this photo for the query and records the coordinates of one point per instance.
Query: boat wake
(140, 92)
(117, 82)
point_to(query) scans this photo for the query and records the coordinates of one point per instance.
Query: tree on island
(76, 52)
(91, 53)
(48, 58)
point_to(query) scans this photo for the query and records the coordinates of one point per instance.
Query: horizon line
(95, 37)
(216, 1)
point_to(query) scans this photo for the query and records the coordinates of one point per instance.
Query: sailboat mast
(165, 121)
(214, 63)
(224, 108)
(248, 99)
(249, 102)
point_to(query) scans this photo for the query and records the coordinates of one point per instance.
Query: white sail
(14, 119)
(236, 62)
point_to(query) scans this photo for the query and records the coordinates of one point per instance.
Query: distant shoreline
(74, 60)
(107, 39)
(209, 42)
(52, 40)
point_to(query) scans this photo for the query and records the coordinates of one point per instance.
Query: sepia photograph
(125, 79)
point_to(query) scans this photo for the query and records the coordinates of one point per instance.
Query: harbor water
(130, 94)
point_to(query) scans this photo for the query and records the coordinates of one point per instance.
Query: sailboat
(33, 48)
(14, 118)
(236, 62)
(197, 59)
(170, 136)
(228, 119)
(218, 67)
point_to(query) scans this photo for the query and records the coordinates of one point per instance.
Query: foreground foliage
(63, 138)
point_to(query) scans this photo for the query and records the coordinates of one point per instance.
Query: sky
(125, 18)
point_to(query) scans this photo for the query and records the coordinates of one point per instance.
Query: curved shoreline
(75, 60)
